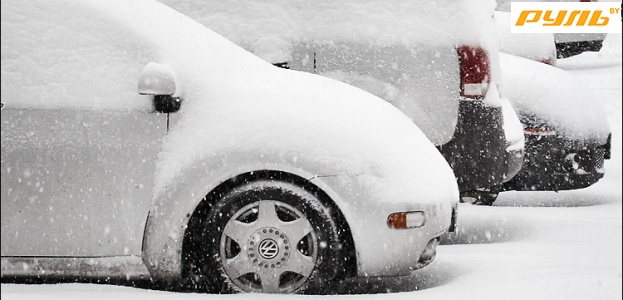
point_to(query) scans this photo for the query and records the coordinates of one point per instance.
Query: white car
(136, 143)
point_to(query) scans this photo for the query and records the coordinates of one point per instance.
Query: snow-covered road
(529, 245)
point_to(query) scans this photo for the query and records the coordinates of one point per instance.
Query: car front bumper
(381, 250)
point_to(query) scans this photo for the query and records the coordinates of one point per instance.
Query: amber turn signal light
(404, 220)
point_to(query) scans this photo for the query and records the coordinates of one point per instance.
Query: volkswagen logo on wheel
(268, 249)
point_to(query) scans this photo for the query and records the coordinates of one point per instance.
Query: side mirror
(158, 80)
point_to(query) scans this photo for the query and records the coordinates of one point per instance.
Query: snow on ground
(529, 245)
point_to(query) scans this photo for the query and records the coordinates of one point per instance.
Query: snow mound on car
(554, 96)
(269, 28)
(535, 46)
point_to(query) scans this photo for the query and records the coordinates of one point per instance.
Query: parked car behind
(567, 134)
(436, 61)
(535, 46)
(567, 44)
(136, 143)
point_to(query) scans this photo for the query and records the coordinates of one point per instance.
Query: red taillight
(549, 61)
(475, 72)
(538, 131)
(588, 0)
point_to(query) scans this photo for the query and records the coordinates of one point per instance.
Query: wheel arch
(169, 222)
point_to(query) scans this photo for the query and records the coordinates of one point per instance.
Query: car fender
(174, 205)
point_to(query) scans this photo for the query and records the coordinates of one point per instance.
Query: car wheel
(270, 237)
(481, 196)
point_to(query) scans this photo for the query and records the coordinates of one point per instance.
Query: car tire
(272, 237)
(481, 196)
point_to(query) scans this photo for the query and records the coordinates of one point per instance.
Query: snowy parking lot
(528, 245)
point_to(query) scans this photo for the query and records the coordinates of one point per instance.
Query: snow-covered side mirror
(158, 80)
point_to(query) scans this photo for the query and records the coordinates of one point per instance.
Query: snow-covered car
(136, 143)
(535, 46)
(436, 61)
(566, 132)
(566, 44)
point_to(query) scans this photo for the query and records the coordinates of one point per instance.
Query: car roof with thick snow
(555, 97)
(268, 28)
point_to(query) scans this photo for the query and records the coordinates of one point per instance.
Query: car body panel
(79, 180)
(476, 152)
(108, 268)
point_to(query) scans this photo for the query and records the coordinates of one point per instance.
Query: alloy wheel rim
(268, 246)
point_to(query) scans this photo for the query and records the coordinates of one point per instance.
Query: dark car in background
(567, 137)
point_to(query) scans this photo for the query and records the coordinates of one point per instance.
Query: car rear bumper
(477, 152)
(570, 44)
(552, 163)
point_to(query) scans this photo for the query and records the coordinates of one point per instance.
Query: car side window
(68, 60)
